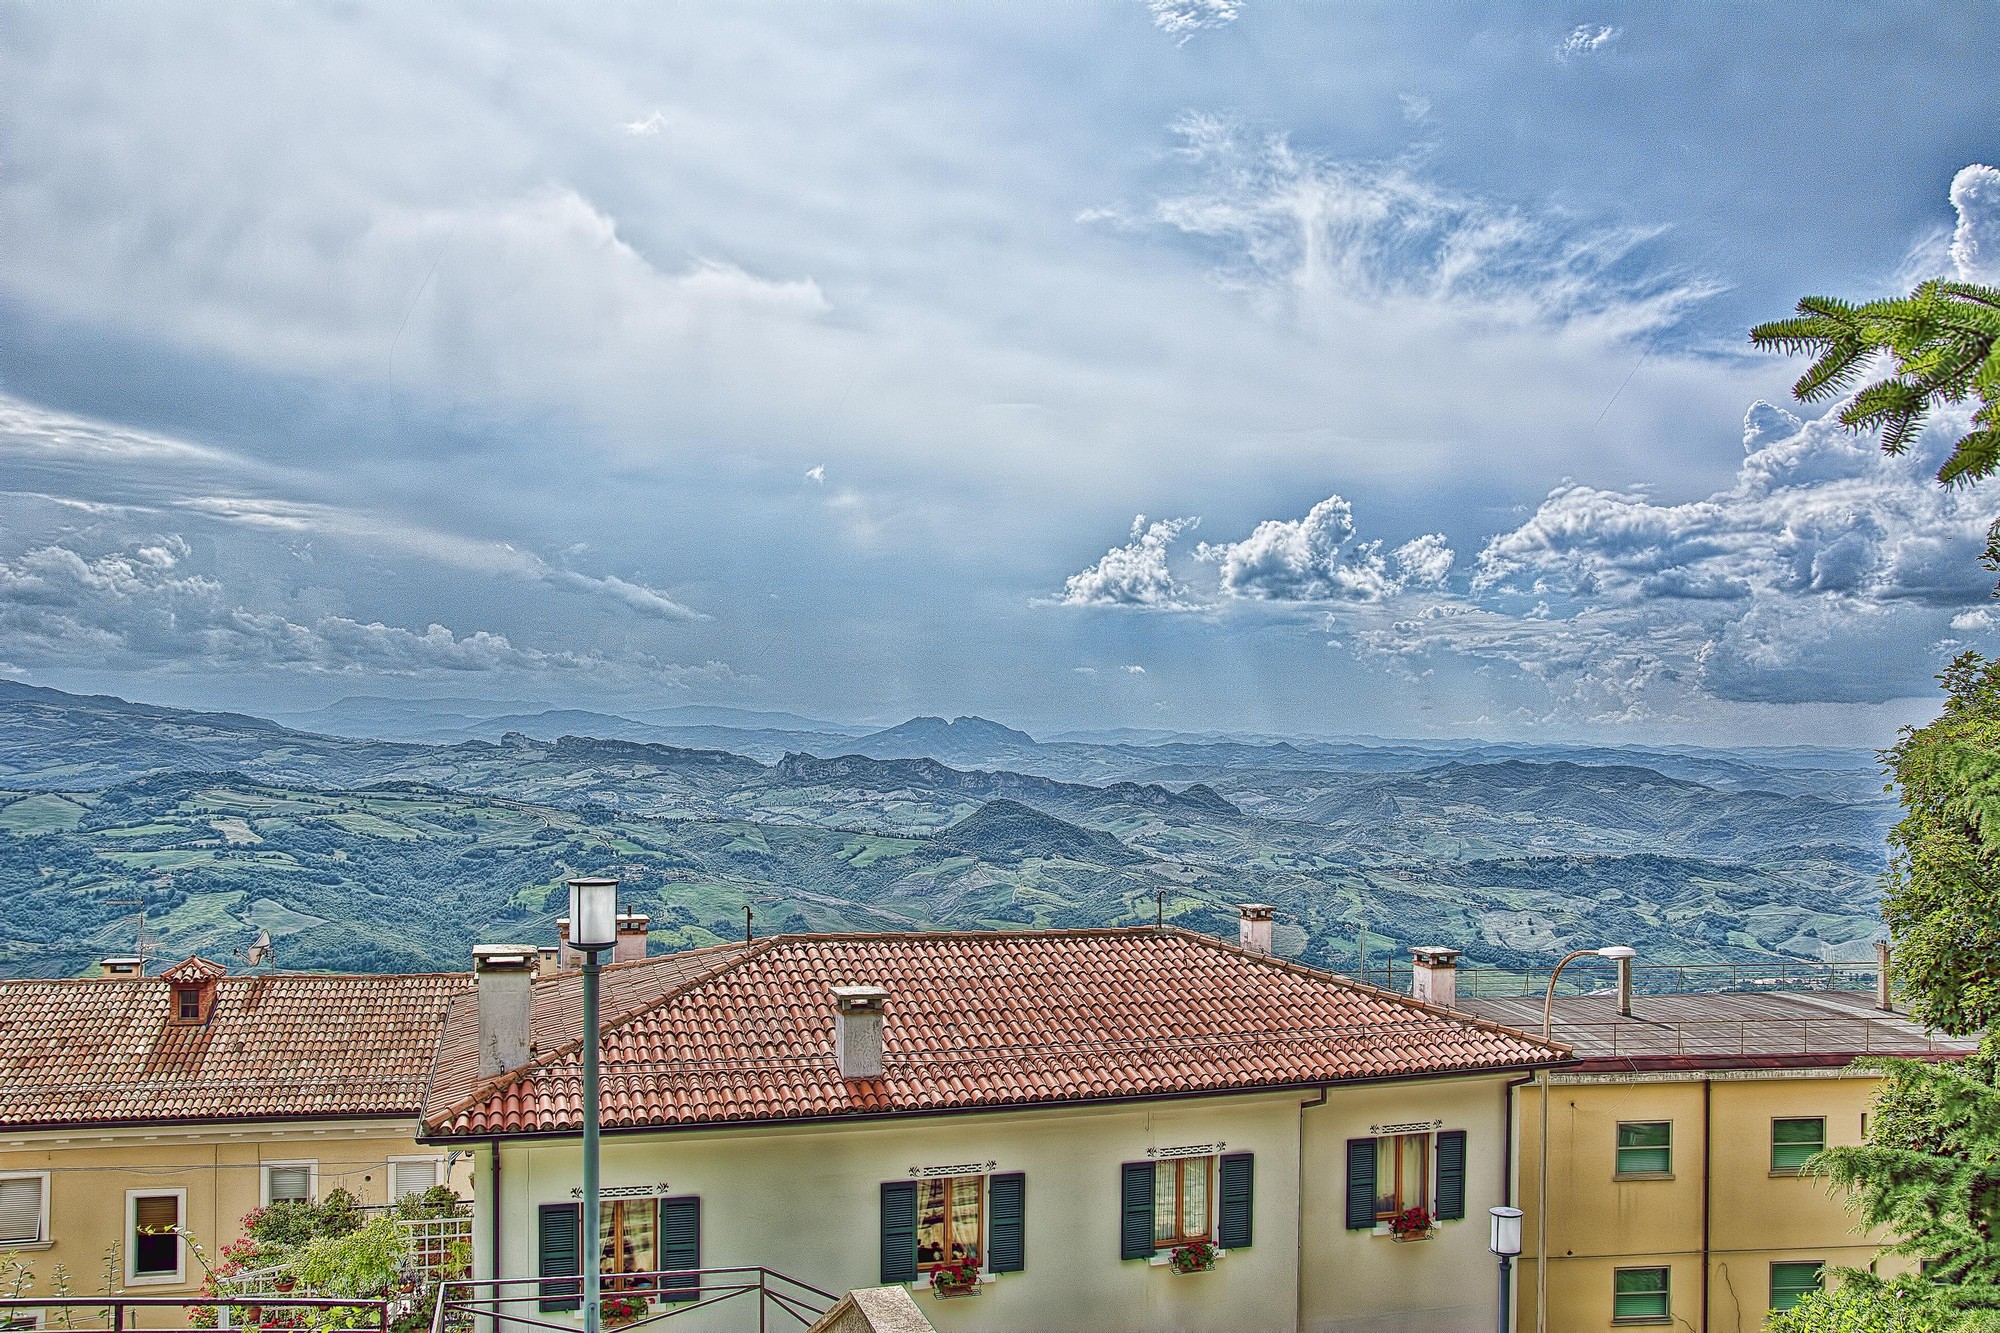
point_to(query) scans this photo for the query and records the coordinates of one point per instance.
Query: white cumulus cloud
(1586, 38)
(1136, 573)
(1182, 19)
(1975, 242)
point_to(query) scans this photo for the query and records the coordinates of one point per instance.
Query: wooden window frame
(1178, 1166)
(1618, 1171)
(926, 1265)
(1666, 1289)
(1426, 1181)
(133, 1277)
(264, 1180)
(42, 1238)
(1776, 1120)
(613, 1217)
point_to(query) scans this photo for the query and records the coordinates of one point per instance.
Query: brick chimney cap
(860, 999)
(503, 957)
(1435, 955)
(1256, 911)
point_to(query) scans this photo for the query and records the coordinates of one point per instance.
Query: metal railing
(116, 1312)
(526, 1302)
(1495, 983)
(1832, 1035)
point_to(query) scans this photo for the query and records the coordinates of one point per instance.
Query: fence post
(118, 1317)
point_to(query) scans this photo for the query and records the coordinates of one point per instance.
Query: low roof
(978, 1020)
(1722, 1029)
(274, 1046)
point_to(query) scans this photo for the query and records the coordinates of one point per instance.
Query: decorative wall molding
(1186, 1150)
(658, 1191)
(1406, 1127)
(955, 1169)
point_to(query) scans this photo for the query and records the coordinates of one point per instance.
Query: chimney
(631, 937)
(505, 975)
(857, 1042)
(1253, 926)
(1434, 975)
(111, 969)
(548, 960)
(1624, 987)
(1883, 999)
(564, 958)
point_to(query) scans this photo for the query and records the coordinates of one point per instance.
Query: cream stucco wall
(1598, 1223)
(221, 1170)
(805, 1201)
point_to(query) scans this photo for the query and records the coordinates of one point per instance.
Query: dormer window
(187, 1004)
(191, 987)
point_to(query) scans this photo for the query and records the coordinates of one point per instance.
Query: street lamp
(1615, 951)
(1506, 1243)
(593, 928)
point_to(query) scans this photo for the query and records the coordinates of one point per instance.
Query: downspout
(1507, 1091)
(1707, 1084)
(494, 1266)
(1299, 1222)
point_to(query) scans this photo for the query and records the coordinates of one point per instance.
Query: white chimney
(548, 961)
(857, 1042)
(505, 975)
(112, 969)
(631, 937)
(566, 957)
(1434, 976)
(1253, 926)
(1884, 997)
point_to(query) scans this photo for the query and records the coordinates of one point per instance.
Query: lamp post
(1615, 951)
(593, 928)
(1506, 1243)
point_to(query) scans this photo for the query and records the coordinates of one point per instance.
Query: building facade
(1065, 1112)
(141, 1116)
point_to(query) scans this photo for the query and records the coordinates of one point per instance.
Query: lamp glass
(1506, 1231)
(1618, 951)
(593, 913)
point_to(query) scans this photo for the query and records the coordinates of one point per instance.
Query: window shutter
(680, 1247)
(1135, 1230)
(1360, 1184)
(290, 1182)
(560, 1226)
(1006, 1223)
(1451, 1175)
(407, 1178)
(21, 1210)
(1233, 1202)
(899, 1231)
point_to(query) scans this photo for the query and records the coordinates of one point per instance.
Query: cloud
(647, 126)
(1980, 619)
(1416, 108)
(1317, 558)
(1975, 242)
(1135, 670)
(1135, 574)
(817, 473)
(1586, 38)
(1182, 19)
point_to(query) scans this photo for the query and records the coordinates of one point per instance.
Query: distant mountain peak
(1008, 832)
(964, 728)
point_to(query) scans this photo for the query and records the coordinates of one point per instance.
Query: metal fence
(1586, 976)
(118, 1313)
(1707, 1037)
(529, 1302)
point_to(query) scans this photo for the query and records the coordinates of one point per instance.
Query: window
(24, 1209)
(1640, 1296)
(1402, 1174)
(187, 1004)
(949, 1209)
(628, 1232)
(1645, 1148)
(1793, 1282)
(153, 1248)
(290, 1182)
(413, 1175)
(1793, 1142)
(1180, 1200)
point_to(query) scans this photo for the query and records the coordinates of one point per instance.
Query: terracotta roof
(1764, 1029)
(985, 1019)
(557, 1017)
(104, 1052)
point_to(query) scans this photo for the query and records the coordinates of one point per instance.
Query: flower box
(960, 1278)
(1197, 1256)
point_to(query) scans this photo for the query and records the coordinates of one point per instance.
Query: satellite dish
(260, 952)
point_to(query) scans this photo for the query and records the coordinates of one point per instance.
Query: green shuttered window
(1793, 1282)
(1640, 1296)
(1645, 1148)
(680, 1248)
(1451, 1175)
(1235, 1200)
(1135, 1230)
(899, 1231)
(1794, 1142)
(1360, 1184)
(1007, 1205)
(558, 1226)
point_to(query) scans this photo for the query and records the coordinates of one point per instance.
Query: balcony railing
(1711, 1037)
(521, 1302)
(119, 1313)
(1585, 976)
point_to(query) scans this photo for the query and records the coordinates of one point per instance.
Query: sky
(1194, 365)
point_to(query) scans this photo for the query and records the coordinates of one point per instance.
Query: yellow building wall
(1599, 1223)
(221, 1170)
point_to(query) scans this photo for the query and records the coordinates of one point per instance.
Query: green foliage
(1942, 339)
(366, 1263)
(1864, 1304)
(437, 1201)
(293, 1223)
(1942, 892)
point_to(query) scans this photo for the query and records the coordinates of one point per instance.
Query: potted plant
(1412, 1224)
(623, 1308)
(960, 1277)
(284, 1282)
(1197, 1256)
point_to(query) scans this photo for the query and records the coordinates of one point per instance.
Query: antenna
(139, 944)
(747, 915)
(1159, 909)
